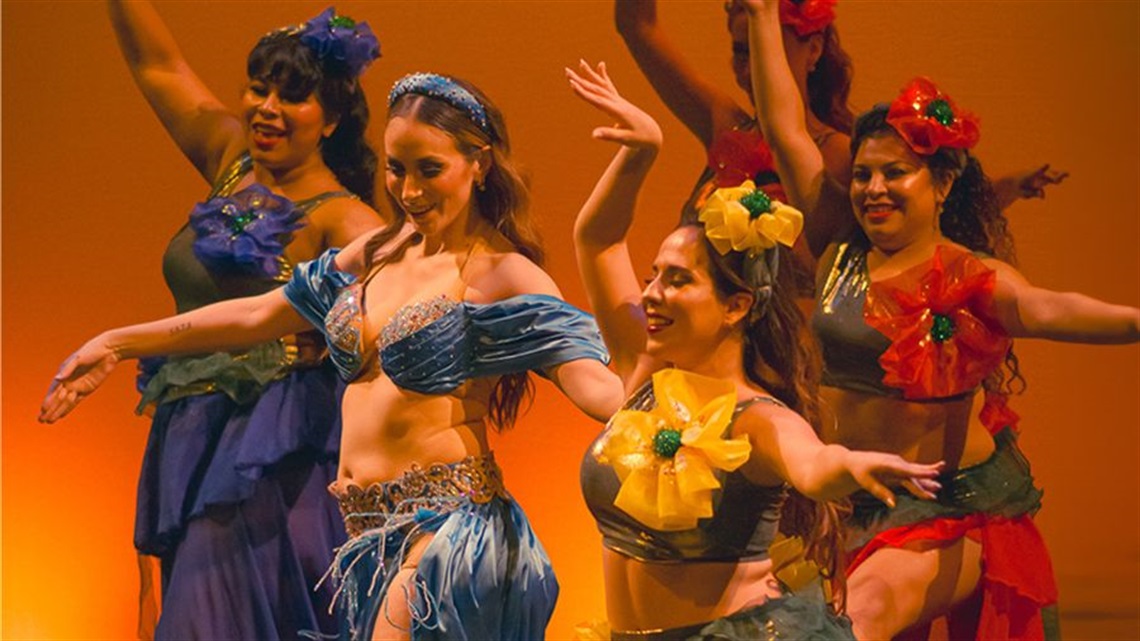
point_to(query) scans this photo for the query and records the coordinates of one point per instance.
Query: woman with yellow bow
(688, 481)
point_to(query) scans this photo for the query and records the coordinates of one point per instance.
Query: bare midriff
(386, 429)
(923, 432)
(645, 595)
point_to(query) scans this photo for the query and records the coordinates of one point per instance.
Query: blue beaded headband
(442, 88)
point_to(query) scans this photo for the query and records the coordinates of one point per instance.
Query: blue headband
(442, 88)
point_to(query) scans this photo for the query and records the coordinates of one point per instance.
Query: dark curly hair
(281, 59)
(971, 215)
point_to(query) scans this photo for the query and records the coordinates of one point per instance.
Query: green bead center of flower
(940, 110)
(942, 328)
(342, 21)
(757, 203)
(666, 442)
(240, 220)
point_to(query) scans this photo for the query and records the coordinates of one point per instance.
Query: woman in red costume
(917, 306)
(822, 73)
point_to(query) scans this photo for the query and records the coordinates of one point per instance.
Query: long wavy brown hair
(503, 203)
(781, 356)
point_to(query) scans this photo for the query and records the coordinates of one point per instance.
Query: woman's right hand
(633, 127)
(81, 374)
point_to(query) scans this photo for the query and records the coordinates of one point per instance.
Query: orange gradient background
(93, 188)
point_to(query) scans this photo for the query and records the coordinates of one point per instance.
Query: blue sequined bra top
(434, 345)
(742, 527)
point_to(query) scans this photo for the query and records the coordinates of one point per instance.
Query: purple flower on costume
(342, 39)
(246, 232)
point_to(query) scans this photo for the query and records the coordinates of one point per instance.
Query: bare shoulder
(764, 418)
(499, 275)
(354, 257)
(342, 220)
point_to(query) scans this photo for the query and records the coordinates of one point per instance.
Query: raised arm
(206, 132)
(780, 112)
(229, 325)
(703, 108)
(1026, 184)
(1034, 312)
(603, 222)
(784, 444)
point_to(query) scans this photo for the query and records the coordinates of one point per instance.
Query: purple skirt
(232, 499)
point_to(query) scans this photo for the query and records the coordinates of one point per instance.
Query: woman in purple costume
(231, 497)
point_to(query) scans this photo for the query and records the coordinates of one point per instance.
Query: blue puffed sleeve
(518, 334)
(532, 332)
(312, 291)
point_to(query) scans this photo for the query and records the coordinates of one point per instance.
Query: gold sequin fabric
(477, 479)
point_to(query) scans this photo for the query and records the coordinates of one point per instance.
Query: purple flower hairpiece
(442, 88)
(340, 38)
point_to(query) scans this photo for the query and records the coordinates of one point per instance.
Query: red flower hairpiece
(738, 155)
(928, 119)
(807, 16)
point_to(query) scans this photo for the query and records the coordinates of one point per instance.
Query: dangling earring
(480, 186)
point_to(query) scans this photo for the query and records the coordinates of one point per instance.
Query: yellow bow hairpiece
(665, 457)
(744, 218)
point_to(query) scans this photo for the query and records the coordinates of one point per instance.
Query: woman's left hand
(877, 472)
(633, 128)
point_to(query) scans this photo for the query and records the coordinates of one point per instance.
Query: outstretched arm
(704, 109)
(784, 443)
(1034, 312)
(201, 126)
(1030, 183)
(603, 222)
(229, 325)
(780, 112)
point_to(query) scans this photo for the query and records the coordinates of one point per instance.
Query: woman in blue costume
(915, 317)
(230, 497)
(688, 481)
(435, 322)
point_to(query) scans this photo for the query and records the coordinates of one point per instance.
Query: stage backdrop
(93, 188)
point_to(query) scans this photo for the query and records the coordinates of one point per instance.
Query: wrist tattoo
(179, 328)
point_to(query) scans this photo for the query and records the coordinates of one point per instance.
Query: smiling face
(895, 196)
(427, 175)
(685, 318)
(283, 130)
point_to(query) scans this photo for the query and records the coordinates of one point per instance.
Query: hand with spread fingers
(878, 472)
(633, 127)
(80, 375)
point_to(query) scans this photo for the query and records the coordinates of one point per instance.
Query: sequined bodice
(433, 345)
(742, 525)
(413, 317)
(851, 348)
(194, 284)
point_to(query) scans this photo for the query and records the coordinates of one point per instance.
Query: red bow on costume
(939, 317)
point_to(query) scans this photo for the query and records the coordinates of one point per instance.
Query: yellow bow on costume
(665, 457)
(731, 225)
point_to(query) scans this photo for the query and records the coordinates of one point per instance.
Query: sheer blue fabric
(485, 575)
(527, 332)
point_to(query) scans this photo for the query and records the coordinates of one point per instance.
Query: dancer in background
(917, 308)
(231, 497)
(435, 321)
(688, 481)
(822, 72)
